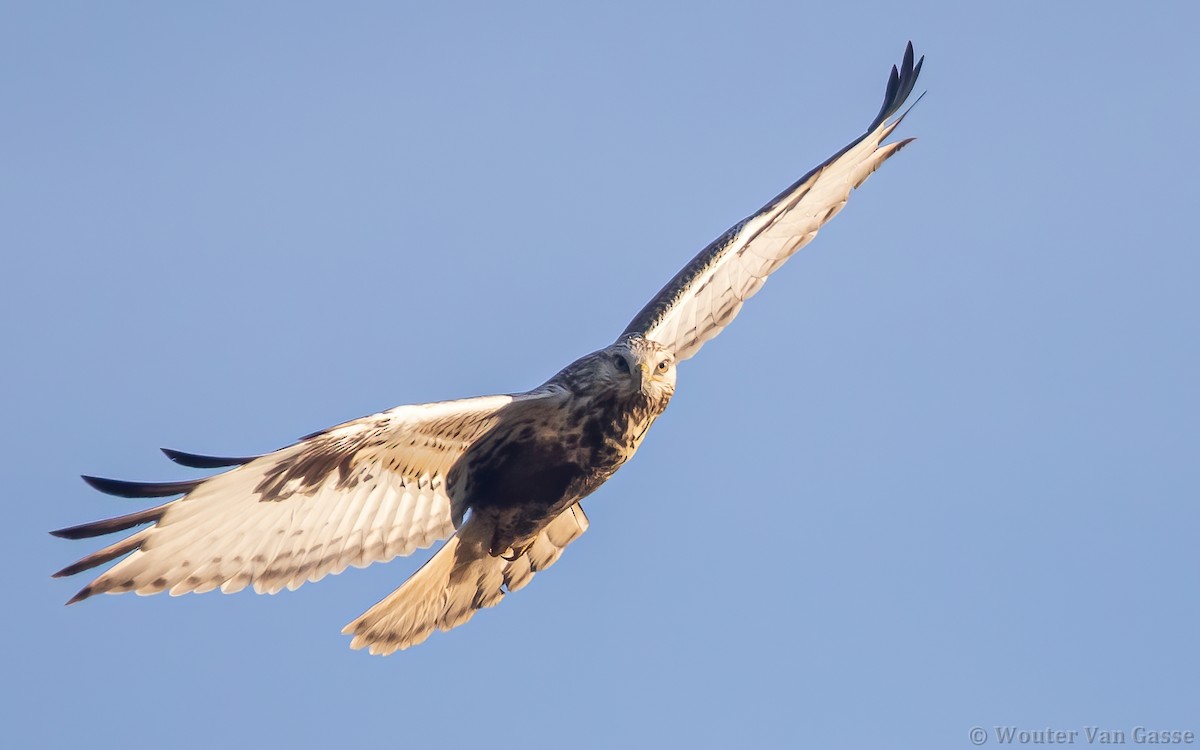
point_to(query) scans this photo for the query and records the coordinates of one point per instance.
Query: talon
(516, 552)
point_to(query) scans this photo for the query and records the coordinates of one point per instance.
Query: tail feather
(458, 581)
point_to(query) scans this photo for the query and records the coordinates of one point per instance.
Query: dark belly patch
(522, 473)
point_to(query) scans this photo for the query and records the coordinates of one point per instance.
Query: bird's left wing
(362, 492)
(705, 296)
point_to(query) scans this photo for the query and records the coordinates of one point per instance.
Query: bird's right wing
(362, 492)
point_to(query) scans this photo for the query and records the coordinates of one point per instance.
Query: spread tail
(459, 580)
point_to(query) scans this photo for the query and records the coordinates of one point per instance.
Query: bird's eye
(621, 364)
(662, 366)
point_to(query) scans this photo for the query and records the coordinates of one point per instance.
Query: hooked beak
(644, 376)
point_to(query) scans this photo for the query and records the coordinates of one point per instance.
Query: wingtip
(198, 461)
(94, 482)
(82, 594)
(66, 572)
(124, 488)
(901, 80)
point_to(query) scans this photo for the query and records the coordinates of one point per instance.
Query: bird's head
(639, 365)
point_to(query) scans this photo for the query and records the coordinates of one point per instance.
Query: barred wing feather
(365, 491)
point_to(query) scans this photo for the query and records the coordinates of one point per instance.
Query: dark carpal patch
(310, 468)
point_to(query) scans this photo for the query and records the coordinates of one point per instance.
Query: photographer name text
(1012, 735)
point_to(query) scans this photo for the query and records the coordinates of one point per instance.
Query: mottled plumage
(536, 463)
(500, 476)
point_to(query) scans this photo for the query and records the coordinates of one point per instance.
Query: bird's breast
(610, 429)
(526, 471)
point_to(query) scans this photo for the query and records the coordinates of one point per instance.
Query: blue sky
(941, 473)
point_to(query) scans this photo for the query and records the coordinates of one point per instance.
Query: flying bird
(499, 477)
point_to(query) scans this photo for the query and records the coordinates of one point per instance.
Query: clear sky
(941, 473)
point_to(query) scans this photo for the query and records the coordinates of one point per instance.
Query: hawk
(499, 477)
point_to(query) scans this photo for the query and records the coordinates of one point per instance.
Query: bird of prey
(500, 477)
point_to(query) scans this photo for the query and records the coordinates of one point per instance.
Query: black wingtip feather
(900, 84)
(82, 594)
(111, 525)
(198, 461)
(122, 488)
(901, 81)
(109, 553)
